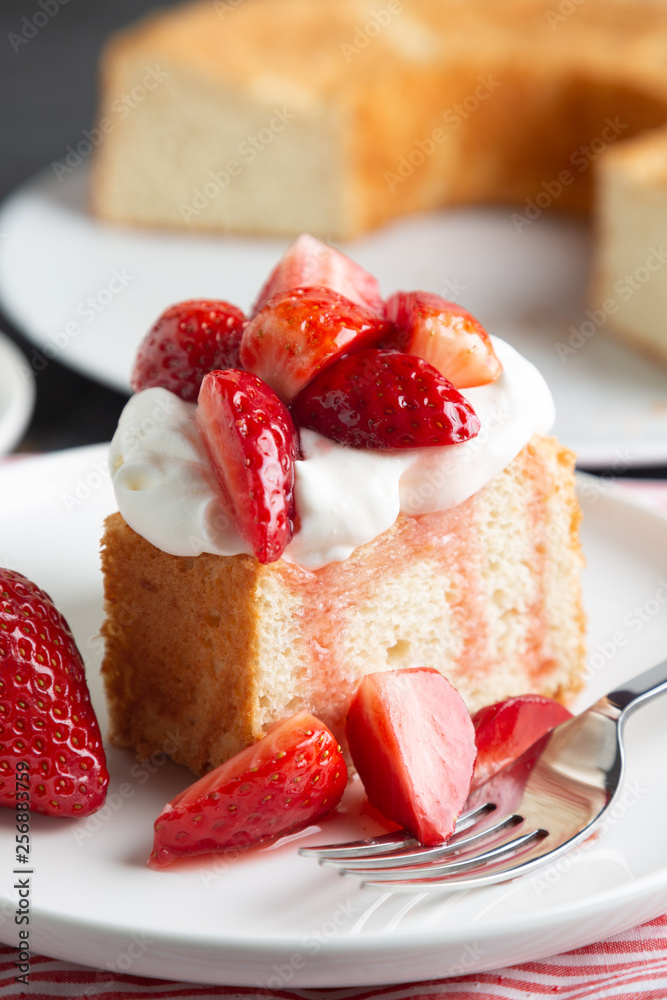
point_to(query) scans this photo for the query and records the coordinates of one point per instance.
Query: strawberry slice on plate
(301, 331)
(309, 262)
(290, 778)
(504, 730)
(51, 754)
(413, 743)
(252, 443)
(385, 399)
(188, 340)
(444, 334)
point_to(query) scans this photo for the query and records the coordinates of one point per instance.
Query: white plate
(86, 292)
(274, 919)
(17, 394)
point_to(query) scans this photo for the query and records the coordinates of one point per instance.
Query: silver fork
(531, 812)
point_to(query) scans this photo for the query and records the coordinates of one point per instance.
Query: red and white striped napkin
(628, 966)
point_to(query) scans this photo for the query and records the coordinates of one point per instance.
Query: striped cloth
(628, 966)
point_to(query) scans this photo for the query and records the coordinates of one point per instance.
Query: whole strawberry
(252, 444)
(187, 341)
(46, 718)
(385, 399)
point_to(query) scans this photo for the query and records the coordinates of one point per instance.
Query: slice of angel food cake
(333, 486)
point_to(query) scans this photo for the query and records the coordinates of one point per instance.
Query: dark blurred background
(47, 96)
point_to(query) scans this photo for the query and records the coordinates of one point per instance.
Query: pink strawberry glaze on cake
(330, 602)
(486, 591)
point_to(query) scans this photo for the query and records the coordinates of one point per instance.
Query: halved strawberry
(444, 334)
(413, 744)
(252, 443)
(504, 730)
(188, 340)
(385, 399)
(51, 755)
(290, 778)
(309, 262)
(301, 331)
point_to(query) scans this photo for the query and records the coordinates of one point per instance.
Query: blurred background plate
(17, 395)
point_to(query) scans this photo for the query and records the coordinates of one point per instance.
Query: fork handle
(640, 689)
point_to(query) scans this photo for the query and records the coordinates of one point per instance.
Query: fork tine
(473, 816)
(410, 856)
(501, 871)
(485, 861)
(358, 848)
(390, 841)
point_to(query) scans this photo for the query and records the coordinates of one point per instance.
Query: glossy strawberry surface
(444, 334)
(413, 743)
(188, 340)
(504, 730)
(300, 332)
(252, 443)
(309, 262)
(290, 778)
(385, 399)
(49, 734)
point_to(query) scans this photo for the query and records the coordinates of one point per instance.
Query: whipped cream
(345, 497)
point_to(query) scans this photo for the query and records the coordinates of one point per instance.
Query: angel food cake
(331, 506)
(629, 287)
(340, 115)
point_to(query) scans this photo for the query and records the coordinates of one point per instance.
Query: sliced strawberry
(290, 778)
(187, 341)
(504, 730)
(300, 332)
(51, 754)
(384, 399)
(444, 334)
(413, 744)
(309, 262)
(252, 443)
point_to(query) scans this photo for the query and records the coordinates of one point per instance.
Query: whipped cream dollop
(345, 497)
